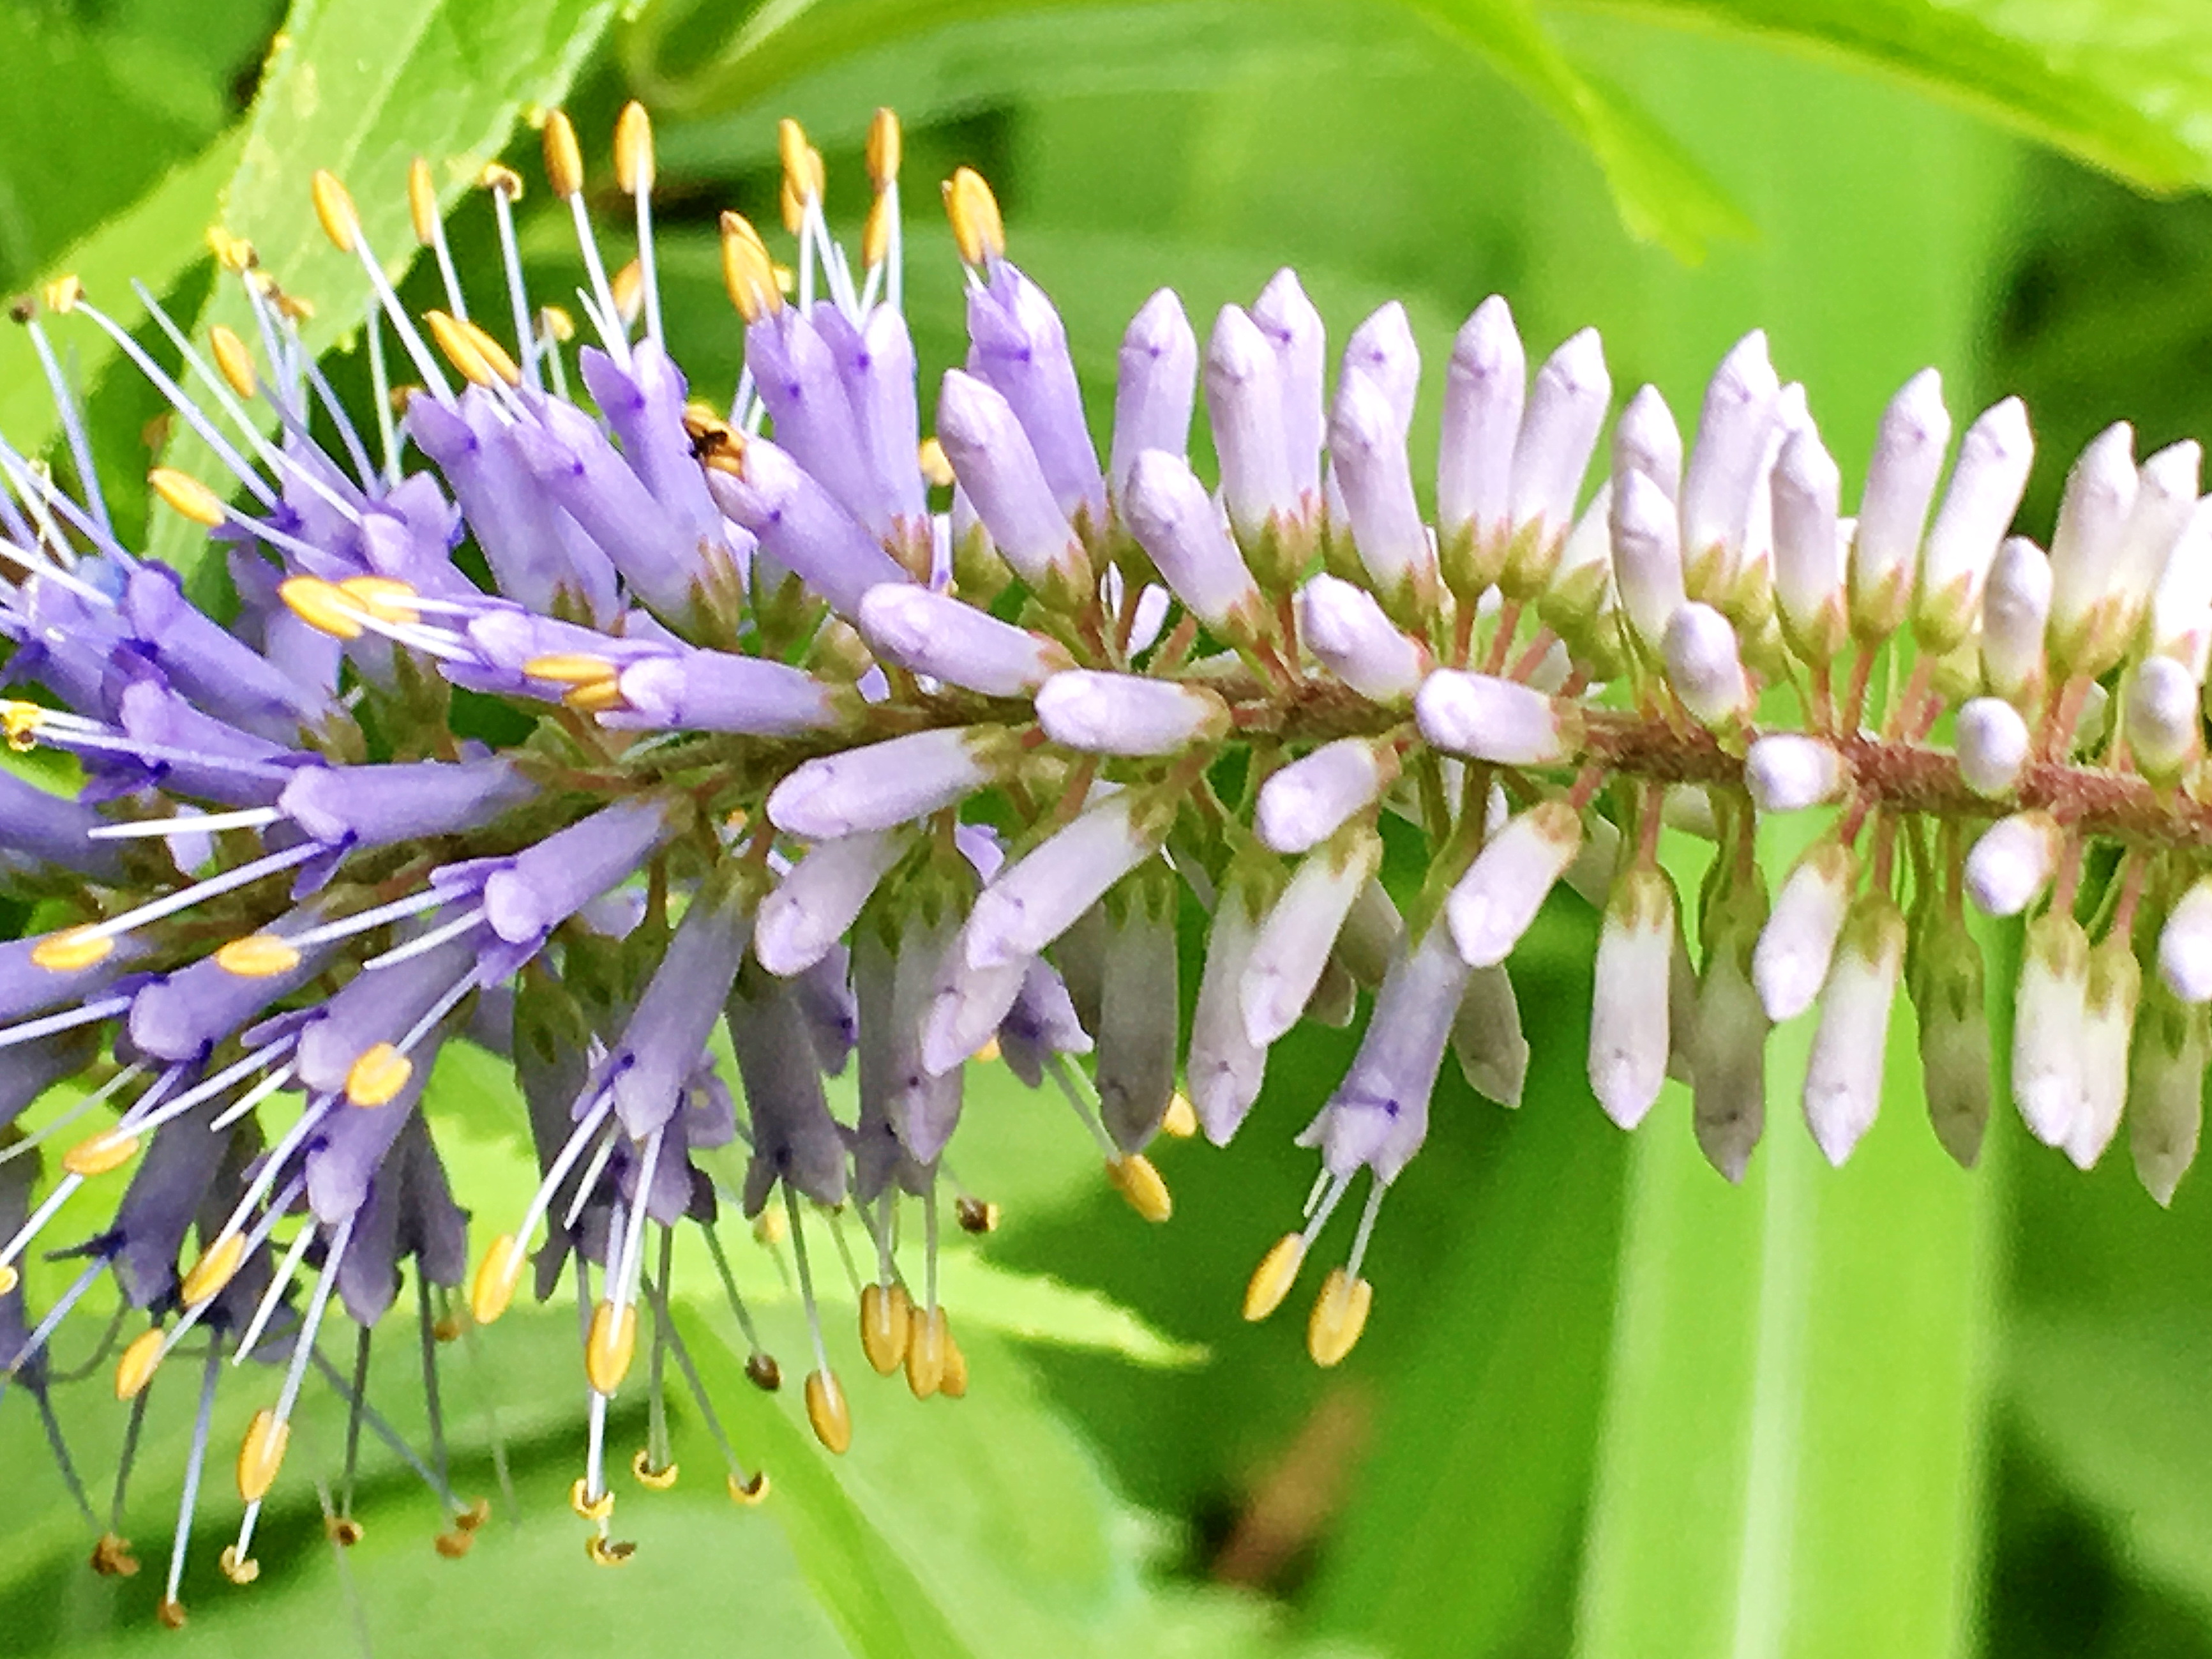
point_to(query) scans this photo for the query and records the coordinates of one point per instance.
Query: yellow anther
(21, 722)
(258, 956)
(1182, 1118)
(925, 1351)
(386, 598)
(233, 253)
(453, 1545)
(217, 1264)
(334, 209)
(422, 202)
(376, 1077)
(827, 1410)
(587, 1507)
(976, 1216)
(802, 163)
(748, 272)
(764, 1372)
(935, 466)
(608, 1350)
(497, 1275)
(98, 1154)
(713, 440)
(9, 1279)
(295, 308)
(641, 1470)
(595, 699)
(1273, 1278)
(609, 1551)
(72, 950)
(232, 360)
(555, 324)
(953, 1384)
(629, 289)
(171, 1613)
(1340, 1315)
(793, 203)
(501, 180)
(988, 1052)
(634, 149)
(748, 1492)
(882, 1326)
(494, 355)
(876, 233)
(768, 1228)
(564, 161)
(112, 1557)
(570, 668)
(883, 145)
(1140, 1184)
(187, 495)
(977, 228)
(474, 1516)
(344, 1531)
(460, 349)
(136, 1368)
(446, 1328)
(321, 605)
(63, 294)
(240, 1569)
(261, 1454)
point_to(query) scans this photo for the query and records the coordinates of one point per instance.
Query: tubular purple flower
(182, 1015)
(1347, 631)
(166, 1190)
(1291, 947)
(1485, 387)
(1018, 346)
(990, 453)
(794, 1139)
(1041, 1022)
(881, 785)
(1498, 898)
(644, 404)
(27, 988)
(721, 691)
(344, 1159)
(667, 1033)
(1309, 800)
(378, 1008)
(1293, 329)
(951, 640)
(802, 527)
(1367, 449)
(374, 806)
(800, 383)
(1037, 898)
(54, 830)
(1566, 408)
(1157, 385)
(814, 906)
(921, 1108)
(1128, 714)
(202, 660)
(1248, 406)
(1176, 523)
(876, 359)
(536, 890)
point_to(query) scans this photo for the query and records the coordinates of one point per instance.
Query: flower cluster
(859, 748)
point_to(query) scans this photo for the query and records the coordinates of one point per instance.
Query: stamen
(201, 823)
(429, 226)
(110, 1150)
(245, 875)
(743, 1489)
(760, 1365)
(172, 1610)
(1271, 1279)
(749, 275)
(564, 171)
(505, 184)
(67, 1020)
(63, 296)
(427, 942)
(273, 1298)
(978, 229)
(233, 361)
(1340, 1315)
(634, 172)
(826, 1410)
(377, 1075)
(187, 496)
(91, 1102)
(72, 951)
(261, 1091)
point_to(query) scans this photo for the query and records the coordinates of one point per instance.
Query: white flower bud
(2016, 608)
(1293, 328)
(1293, 943)
(816, 903)
(1487, 1039)
(937, 634)
(2161, 716)
(966, 1005)
(2108, 1023)
(992, 454)
(880, 784)
(2165, 1091)
(1808, 547)
(2181, 608)
(2050, 1008)
(1986, 485)
(1309, 800)
(1039, 897)
(1245, 403)
(1498, 898)
(1908, 456)
(1381, 348)
(1566, 412)
(1787, 772)
(1157, 384)
(1174, 521)
(2086, 544)
(2013, 862)
(1128, 714)
(1629, 1011)
(1224, 1067)
(1794, 947)
(1725, 464)
(1843, 1079)
(1346, 630)
(1992, 742)
(2165, 500)
(2184, 945)
(1703, 666)
(1367, 449)
(1646, 440)
(1486, 718)
(1647, 556)
(1484, 388)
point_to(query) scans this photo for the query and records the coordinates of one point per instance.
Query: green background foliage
(1607, 1405)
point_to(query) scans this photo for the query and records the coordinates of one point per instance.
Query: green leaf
(363, 90)
(2124, 85)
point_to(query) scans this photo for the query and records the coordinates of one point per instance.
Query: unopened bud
(1486, 718)
(1992, 741)
(2013, 862)
(1704, 666)
(1787, 772)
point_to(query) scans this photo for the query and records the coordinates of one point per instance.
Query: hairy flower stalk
(849, 740)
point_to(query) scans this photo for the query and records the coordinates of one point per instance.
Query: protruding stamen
(826, 1410)
(924, 1350)
(1271, 1279)
(334, 208)
(173, 1610)
(96, 1156)
(977, 1215)
(423, 203)
(634, 160)
(497, 1276)
(217, 1265)
(258, 956)
(564, 160)
(1138, 1181)
(235, 362)
(377, 1075)
(261, 1454)
(884, 1328)
(1182, 1118)
(187, 496)
(1340, 1315)
(885, 144)
(977, 227)
(72, 951)
(612, 1344)
(748, 272)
